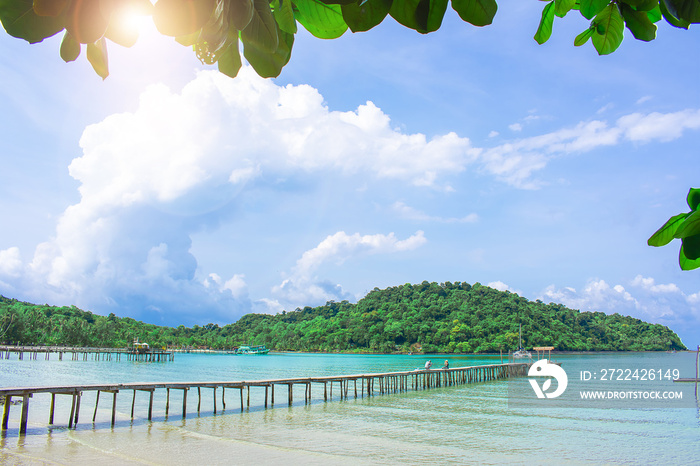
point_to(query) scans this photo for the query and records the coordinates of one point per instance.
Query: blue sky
(172, 194)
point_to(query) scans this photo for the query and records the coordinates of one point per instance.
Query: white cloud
(650, 285)
(303, 287)
(410, 213)
(515, 127)
(10, 263)
(604, 108)
(151, 178)
(663, 127)
(662, 304)
(498, 285)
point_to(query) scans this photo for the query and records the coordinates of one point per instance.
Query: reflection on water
(472, 424)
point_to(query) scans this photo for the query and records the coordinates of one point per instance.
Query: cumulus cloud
(151, 178)
(664, 304)
(303, 287)
(10, 263)
(498, 285)
(410, 213)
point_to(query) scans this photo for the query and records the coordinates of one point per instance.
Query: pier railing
(369, 385)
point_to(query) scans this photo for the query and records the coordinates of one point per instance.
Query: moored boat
(256, 349)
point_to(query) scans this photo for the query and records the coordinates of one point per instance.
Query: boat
(521, 353)
(248, 349)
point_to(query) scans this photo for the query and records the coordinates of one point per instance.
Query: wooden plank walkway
(85, 354)
(369, 384)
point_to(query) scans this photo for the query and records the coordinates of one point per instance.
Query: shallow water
(482, 423)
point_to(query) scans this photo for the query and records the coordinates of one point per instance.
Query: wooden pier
(85, 354)
(347, 385)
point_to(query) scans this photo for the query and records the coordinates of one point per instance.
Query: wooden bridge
(369, 384)
(85, 354)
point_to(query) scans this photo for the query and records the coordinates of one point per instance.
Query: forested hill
(428, 317)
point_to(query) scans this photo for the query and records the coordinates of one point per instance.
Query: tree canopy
(428, 317)
(216, 29)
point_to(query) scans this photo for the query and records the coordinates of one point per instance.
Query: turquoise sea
(481, 423)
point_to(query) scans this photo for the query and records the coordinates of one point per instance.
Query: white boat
(521, 352)
(259, 349)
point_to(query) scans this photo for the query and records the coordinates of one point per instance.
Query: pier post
(114, 407)
(53, 405)
(223, 398)
(78, 396)
(97, 401)
(199, 397)
(241, 398)
(266, 389)
(214, 400)
(25, 414)
(290, 393)
(72, 412)
(133, 402)
(150, 405)
(167, 402)
(6, 411)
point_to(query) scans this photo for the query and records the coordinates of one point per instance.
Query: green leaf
(97, 56)
(181, 17)
(422, 15)
(240, 12)
(284, 15)
(667, 232)
(638, 23)
(690, 226)
(583, 37)
(590, 8)
(610, 29)
(214, 37)
(476, 12)
(562, 7)
(687, 263)
(338, 2)
(642, 5)
(687, 10)
(262, 29)
(544, 31)
(670, 17)
(70, 48)
(691, 247)
(19, 20)
(189, 39)
(230, 61)
(363, 17)
(655, 14)
(266, 64)
(321, 20)
(693, 198)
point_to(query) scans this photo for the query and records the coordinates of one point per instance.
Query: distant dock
(369, 384)
(86, 354)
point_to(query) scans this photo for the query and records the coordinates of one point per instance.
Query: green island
(426, 317)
